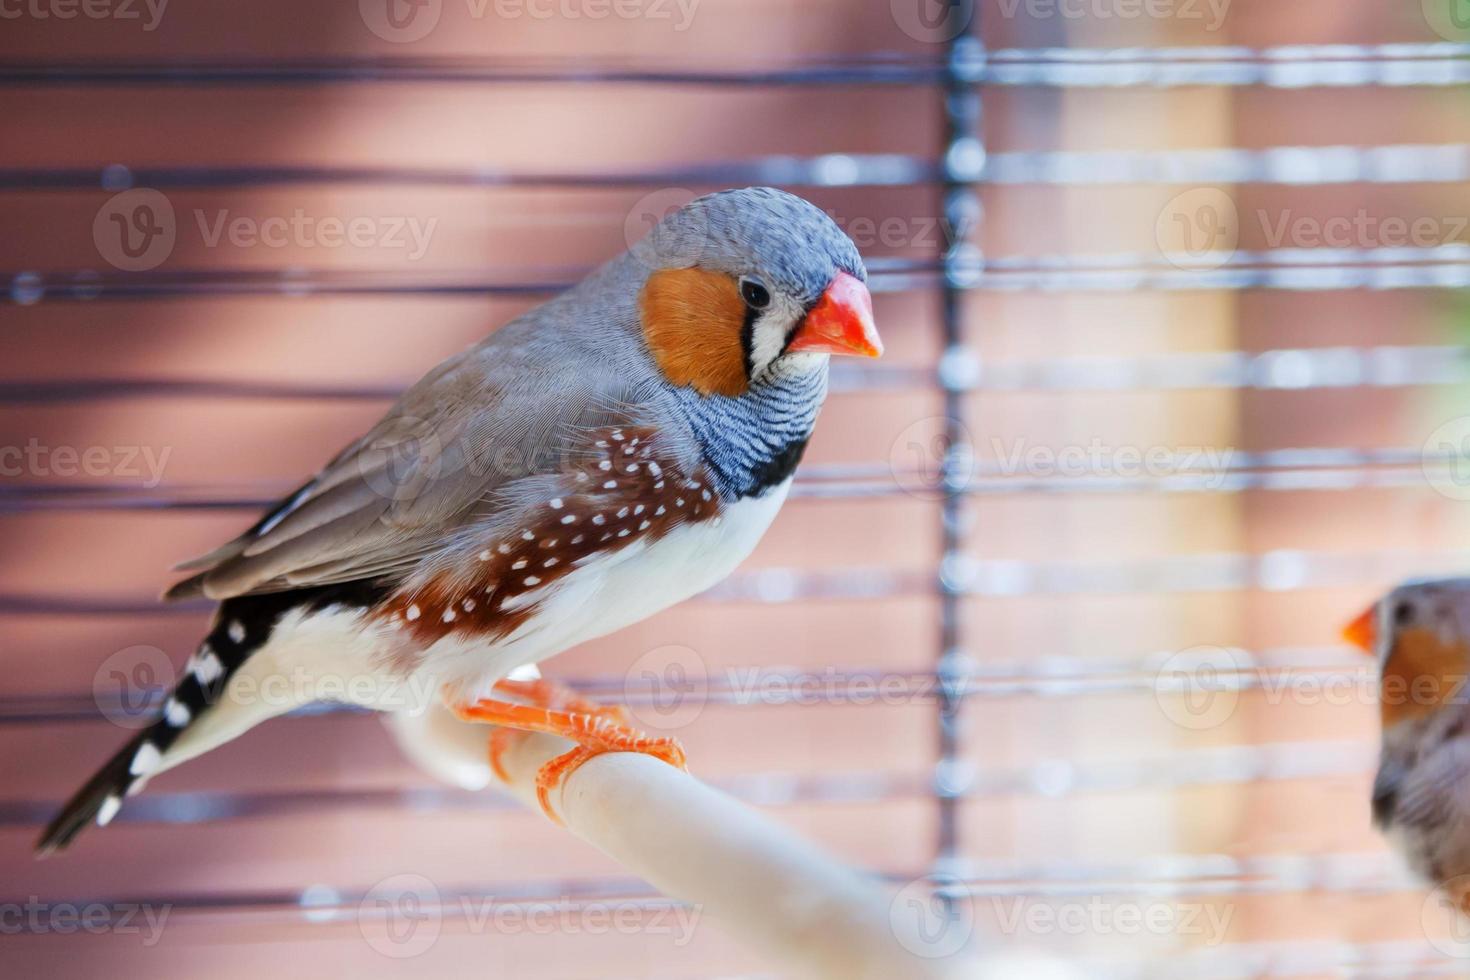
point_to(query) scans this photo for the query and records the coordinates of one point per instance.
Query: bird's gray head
(743, 283)
(1417, 615)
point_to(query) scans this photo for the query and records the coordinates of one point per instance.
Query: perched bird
(1420, 634)
(606, 455)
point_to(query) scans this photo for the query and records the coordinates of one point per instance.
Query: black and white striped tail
(241, 627)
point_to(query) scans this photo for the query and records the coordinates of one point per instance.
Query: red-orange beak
(1363, 631)
(841, 322)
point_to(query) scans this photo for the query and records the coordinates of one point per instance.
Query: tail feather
(242, 625)
(98, 800)
(218, 657)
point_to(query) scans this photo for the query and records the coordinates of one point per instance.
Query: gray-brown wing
(439, 458)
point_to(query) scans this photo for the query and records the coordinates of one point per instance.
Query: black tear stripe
(747, 340)
(241, 626)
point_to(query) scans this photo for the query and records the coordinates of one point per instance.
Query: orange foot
(554, 710)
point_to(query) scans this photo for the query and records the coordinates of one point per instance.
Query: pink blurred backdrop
(1076, 771)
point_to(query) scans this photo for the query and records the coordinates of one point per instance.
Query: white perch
(779, 894)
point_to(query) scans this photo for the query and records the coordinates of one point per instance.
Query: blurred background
(1176, 384)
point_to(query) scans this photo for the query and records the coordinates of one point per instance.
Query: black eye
(756, 296)
(1403, 614)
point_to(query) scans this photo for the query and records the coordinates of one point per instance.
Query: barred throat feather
(753, 443)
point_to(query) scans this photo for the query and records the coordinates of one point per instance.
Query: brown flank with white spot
(622, 495)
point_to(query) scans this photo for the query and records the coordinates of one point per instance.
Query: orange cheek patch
(692, 320)
(1422, 673)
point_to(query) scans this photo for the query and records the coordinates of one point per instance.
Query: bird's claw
(555, 710)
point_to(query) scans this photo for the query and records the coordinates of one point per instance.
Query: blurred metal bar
(1289, 66)
(1296, 270)
(753, 685)
(1048, 779)
(1163, 876)
(1209, 470)
(203, 807)
(1287, 369)
(959, 206)
(1285, 165)
(1281, 570)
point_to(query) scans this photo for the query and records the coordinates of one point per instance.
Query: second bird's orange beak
(841, 322)
(1363, 631)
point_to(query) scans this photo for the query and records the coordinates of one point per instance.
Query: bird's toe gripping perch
(554, 710)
